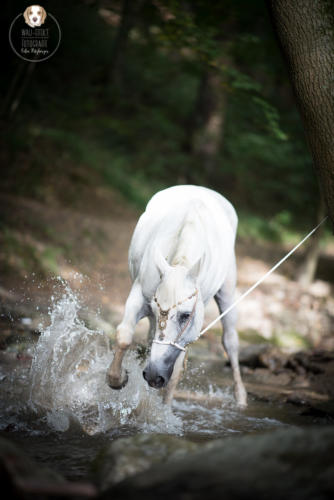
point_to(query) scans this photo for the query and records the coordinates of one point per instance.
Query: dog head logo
(34, 16)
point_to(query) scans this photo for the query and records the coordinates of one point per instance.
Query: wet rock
(129, 456)
(323, 412)
(273, 358)
(289, 463)
(268, 393)
(303, 395)
(263, 356)
(301, 381)
(249, 355)
(306, 397)
(302, 362)
(322, 356)
(267, 378)
(22, 478)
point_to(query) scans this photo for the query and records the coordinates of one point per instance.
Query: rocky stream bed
(65, 434)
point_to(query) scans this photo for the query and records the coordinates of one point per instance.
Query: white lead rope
(232, 306)
(236, 302)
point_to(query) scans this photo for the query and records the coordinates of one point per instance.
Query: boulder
(289, 463)
(23, 478)
(263, 356)
(126, 457)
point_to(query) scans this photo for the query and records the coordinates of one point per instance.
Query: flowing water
(59, 408)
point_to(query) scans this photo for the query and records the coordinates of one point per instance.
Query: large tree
(305, 29)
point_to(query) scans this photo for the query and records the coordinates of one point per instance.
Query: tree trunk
(129, 9)
(207, 140)
(205, 125)
(305, 29)
(306, 272)
(17, 88)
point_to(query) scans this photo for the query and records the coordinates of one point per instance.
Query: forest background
(142, 95)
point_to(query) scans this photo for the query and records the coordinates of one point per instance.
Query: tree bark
(305, 29)
(205, 124)
(16, 89)
(208, 139)
(129, 9)
(307, 271)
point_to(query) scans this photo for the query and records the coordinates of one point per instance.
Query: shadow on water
(60, 410)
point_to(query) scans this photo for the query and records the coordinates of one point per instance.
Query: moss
(252, 337)
(291, 339)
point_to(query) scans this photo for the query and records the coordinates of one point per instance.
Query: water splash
(66, 387)
(68, 379)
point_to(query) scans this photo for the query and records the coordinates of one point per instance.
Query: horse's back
(177, 197)
(210, 214)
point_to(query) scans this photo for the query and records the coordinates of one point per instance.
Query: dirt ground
(84, 236)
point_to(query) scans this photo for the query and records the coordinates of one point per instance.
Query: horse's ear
(195, 269)
(161, 263)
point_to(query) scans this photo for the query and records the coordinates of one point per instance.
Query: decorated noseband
(163, 318)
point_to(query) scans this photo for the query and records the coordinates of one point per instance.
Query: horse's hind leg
(224, 298)
(134, 311)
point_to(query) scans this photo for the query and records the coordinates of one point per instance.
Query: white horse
(181, 255)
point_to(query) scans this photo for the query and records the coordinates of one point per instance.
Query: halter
(236, 302)
(163, 318)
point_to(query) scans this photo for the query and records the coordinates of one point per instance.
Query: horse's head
(179, 310)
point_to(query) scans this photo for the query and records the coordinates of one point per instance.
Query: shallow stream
(55, 402)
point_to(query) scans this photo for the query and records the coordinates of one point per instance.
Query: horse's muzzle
(156, 382)
(156, 378)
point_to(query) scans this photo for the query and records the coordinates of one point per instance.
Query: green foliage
(272, 116)
(114, 166)
(24, 255)
(133, 130)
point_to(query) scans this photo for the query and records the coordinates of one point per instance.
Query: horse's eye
(183, 317)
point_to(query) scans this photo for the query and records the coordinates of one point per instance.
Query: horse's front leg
(135, 309)
(169, 390)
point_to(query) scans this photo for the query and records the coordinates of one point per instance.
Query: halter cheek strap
(162, 322)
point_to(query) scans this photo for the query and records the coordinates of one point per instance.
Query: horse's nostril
(159, 381)
(152, 378)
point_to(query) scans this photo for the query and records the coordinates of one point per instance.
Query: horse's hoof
(117, 384)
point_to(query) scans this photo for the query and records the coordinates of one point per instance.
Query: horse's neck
(189, 244)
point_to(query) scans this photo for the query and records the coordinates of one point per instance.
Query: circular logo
(35, 35)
